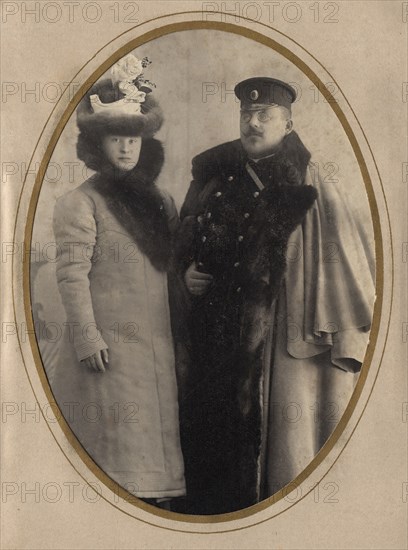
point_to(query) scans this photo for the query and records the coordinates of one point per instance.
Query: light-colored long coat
(126, 418)
(323, 319)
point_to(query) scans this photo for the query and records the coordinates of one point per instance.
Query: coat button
(241, 238)
(208, 214)
(200, 264)
(256, 194)
(238, 289)
(236, 264)
(230, 178)
(199, 219)
(218, 194)
(203, 238)
(246, 215)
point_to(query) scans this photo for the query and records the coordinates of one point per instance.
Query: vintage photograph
(204, 285)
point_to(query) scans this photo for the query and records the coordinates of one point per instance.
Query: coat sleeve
(75, 234)
(201, 186)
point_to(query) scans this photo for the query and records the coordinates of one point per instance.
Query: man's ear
(289, 126)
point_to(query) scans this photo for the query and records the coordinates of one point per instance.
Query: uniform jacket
(239, 234)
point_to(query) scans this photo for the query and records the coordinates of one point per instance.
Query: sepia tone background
(366, 50)
(195, 73)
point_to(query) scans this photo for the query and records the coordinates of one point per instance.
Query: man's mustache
(252, 133)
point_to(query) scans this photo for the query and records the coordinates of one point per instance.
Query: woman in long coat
(115, 382)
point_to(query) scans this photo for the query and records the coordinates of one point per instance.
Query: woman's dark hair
(93, 127)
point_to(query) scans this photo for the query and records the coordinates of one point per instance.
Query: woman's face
(122, 151)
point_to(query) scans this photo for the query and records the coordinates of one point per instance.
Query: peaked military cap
(266, 91)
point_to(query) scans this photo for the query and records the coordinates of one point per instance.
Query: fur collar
(229, 159)
(137, 203)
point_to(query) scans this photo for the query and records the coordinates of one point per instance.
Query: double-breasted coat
(243, 357)
(113, 282)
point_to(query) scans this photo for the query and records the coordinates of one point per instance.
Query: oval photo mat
(195, 91)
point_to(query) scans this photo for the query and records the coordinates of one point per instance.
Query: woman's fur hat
(121, 122)
(121, 104)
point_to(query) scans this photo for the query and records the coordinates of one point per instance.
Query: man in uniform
(278, 321)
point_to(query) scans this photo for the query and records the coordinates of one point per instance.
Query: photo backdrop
(195, 73)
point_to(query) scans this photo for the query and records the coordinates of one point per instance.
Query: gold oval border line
(269, 42)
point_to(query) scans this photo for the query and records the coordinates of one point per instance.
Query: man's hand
(97, 361)
(196, 281)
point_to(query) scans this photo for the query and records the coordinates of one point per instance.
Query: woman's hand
(196, 281)
(97, 361)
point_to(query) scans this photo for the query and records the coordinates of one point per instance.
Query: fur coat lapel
(137, 203)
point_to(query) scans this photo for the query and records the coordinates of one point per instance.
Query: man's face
(122, 151)
(262, 129)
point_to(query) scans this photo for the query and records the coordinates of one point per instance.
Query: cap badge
(254, 95)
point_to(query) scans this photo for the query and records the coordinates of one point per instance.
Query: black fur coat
(239, 234)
